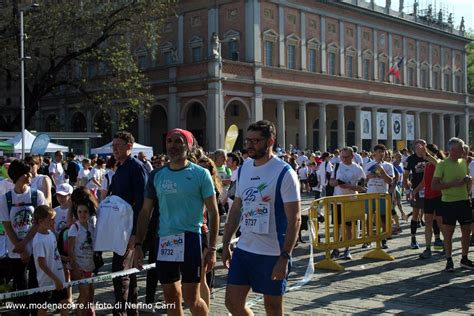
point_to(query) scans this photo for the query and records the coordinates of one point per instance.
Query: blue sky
(459, 8)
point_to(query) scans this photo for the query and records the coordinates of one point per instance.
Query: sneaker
(384, 244)
(449, 266)
(414, 244)
(466, 263)
(347, 255)
(366, 245)
(335, 254)
(438, 244)
(426, 254)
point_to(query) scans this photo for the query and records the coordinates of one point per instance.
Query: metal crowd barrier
(365, 208)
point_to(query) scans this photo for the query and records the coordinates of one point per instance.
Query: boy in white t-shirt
(48, 261)
(63, 194)
(380, 175)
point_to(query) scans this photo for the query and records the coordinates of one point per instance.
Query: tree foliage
(470, 63)
(82, 46)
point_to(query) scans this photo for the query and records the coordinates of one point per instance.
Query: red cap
(188, 136)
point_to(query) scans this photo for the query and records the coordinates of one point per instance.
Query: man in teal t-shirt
(181, 189)
(452, 178)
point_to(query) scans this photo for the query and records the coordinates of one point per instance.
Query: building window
(168, 58)
(435, 80)
(447, 83)
(196, 54)
(332, 63)
(366, 69)
(458, 84)
(382, 71)
(411, 76)
(268, 53)
(235, 109)
(312, 60)
(349, 66)
(424, 78)
(291, 56)
(233, 53)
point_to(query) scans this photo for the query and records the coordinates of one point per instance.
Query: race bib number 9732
(171, 248)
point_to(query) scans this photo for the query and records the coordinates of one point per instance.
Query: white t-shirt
(471, 173)
(83, 176)
(358, 159)
(302, 159)
(38, 182)
(96, 174)
(45, 246)
(106, 183)
(233, 177)
(258, 185)
(324, 167)
(60, 221)
(20, 217)
(5, 186)
(378, 185)
(83, 246)
(303, 173)
(350, 174)
(56, 168)
(365, 160)
(334, 160)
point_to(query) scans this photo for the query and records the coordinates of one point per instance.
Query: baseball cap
(64, 189)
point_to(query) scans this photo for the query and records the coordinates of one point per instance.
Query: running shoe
(449, 266)
(347, 255)
(335, 253)
(466, 263)
(426, 254)
(438, 244)
(384, 244)
(414, 244)
(366, 245)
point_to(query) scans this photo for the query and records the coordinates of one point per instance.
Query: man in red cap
(181, 189)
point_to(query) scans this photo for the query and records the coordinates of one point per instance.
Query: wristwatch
(285, 254)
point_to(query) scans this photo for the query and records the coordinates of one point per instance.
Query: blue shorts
(382, 207)
(255, 270)
(188, 271)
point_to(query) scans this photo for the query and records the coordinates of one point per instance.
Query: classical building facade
(318, 69)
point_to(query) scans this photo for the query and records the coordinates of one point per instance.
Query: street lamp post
(22, 75)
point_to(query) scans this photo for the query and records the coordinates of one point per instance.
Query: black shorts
(433, 206)
(51, 297)
(459, 211)
(339, 216)
(188, 271)
(418, 203)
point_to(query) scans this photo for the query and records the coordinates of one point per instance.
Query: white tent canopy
(107, 149)
(29, 138)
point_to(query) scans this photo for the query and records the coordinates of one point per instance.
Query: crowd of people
(50, 211)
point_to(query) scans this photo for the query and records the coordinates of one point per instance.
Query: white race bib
(171, 248)
(255, 217)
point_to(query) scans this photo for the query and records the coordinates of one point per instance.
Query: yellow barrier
(363, 207)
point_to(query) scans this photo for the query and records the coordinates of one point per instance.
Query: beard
(259, 153)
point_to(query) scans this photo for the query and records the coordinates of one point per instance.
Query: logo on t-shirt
(251, 194)
(22, 219)
(168, 186)
(420, 167)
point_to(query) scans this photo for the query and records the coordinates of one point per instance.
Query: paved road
(406, 285)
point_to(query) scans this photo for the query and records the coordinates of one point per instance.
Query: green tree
(84, 47)
(470, 62)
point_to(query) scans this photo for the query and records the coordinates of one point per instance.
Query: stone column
(375, 140)
(322, 127)
(429, 124)
(281, 32)
(212, 25)
(253, 47)
(302, 126)
(257, 105)
(453, 71)
(342, 54)
(417, 125)
(430, 66)
(404, 64)
(418, 64)
(389, 129)
(303, 40)
(376, 56)
(390, 55)
(359, 52)
(281, 123)
(173, 108)
(358, 127)
(323, 48)
(341, 128)
(181, 39)
(442, 68)
(441, 131)
(452, 125)
(464, 126)
(404, 126)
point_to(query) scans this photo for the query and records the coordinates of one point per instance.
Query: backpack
(313, 179)
(34, 200)
(62, 240)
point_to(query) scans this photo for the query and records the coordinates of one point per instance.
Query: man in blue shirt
(128, 183)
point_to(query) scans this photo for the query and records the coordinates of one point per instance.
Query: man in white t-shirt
(357, 158)
(56, 170)
(345, 180)
(268, 195)
(324, 169)
(380, 175)
(302, 158)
